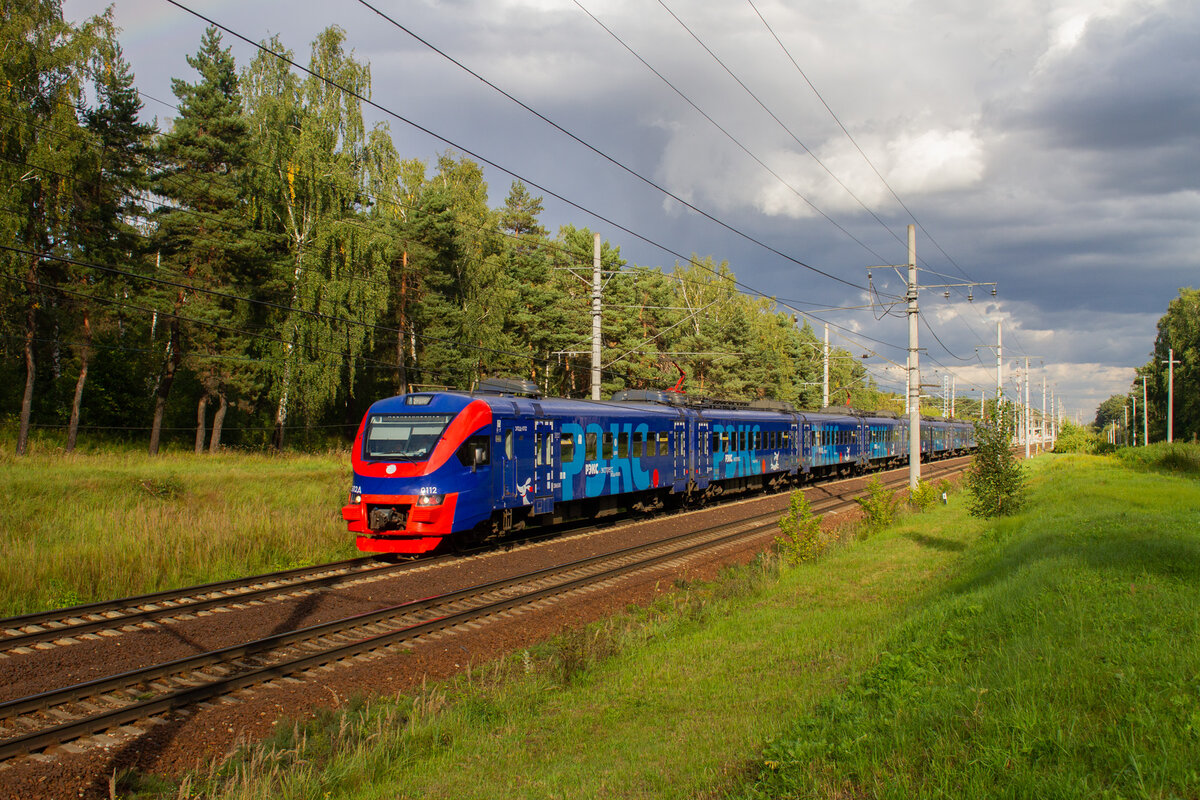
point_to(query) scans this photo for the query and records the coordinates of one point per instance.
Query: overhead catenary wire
(427, 131)
(724, 131)
(634, 173)
(850, 137)
(689, 260)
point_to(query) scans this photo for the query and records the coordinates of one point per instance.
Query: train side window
(637, 444)
(537, 449)
(508, 444)
(664, 443)
(608, 445)
(716, 442)
(475, 452)
(622, 445)
(566, 447)
(590, 452)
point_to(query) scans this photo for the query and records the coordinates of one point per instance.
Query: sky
(1048, 147)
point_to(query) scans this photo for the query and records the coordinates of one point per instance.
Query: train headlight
(355, 499)
(430, 499)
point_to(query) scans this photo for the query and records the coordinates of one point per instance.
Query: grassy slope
(1063, 662)
(97, 526)
(708, 677)
(1052, 655)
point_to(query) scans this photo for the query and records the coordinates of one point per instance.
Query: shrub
(995, 480)
(799, 538)
(878, 505)
(1075, 439)
(924, 496)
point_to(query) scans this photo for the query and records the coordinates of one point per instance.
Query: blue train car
(429, 466)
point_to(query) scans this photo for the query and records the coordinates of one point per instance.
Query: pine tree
(43, 61)
(204, 238)
(108, 208)
(995, 481)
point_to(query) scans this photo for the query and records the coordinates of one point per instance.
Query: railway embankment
(1055, 652)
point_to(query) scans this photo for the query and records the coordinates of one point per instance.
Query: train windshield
(404, 437)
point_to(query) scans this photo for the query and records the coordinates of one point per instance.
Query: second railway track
(42, 720)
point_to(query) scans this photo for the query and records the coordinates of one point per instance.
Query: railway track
(55, 625)
(61, 626)
(61, 715)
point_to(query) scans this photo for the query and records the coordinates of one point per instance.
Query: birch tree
(314, 152)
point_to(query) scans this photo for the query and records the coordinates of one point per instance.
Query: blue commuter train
(434, 466)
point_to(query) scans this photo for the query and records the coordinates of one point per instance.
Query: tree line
(1178, 333)
(265, 265)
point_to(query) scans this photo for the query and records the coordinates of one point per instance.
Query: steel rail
(168, 595)
(710, 538)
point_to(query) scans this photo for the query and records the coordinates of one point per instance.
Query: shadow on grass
(936, 542)
(1156, 553)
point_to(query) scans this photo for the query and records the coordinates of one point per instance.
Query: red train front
(422, 471)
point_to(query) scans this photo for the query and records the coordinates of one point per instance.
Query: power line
(722, 129)
(787, 130)
(634, 173)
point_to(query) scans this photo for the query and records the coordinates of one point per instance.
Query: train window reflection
(403, 437)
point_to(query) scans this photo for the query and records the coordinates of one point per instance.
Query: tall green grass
(1178, 457)
(1064, 661)
(94, 526)
(1055, 653)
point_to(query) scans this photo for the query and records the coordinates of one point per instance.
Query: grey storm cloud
(1129, 85)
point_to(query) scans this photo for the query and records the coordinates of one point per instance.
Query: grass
(1054, 653)
(666, 702)
(1064, 661)
(1182, 458)
(94, 526)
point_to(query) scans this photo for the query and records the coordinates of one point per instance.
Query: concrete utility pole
(1043, 420)
(1027, 431)
(953, 390)
(1145, 416)
(999, 370)
(825, 380)
(1171, 362)
(914, 372)
(596, 318)
(1133, 400)
(1053, 419)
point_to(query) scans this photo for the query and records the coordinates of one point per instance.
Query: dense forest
(264, 265)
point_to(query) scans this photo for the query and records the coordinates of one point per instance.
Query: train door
(679, 453)
(545, 460)
(516, 447)
(703, 455)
